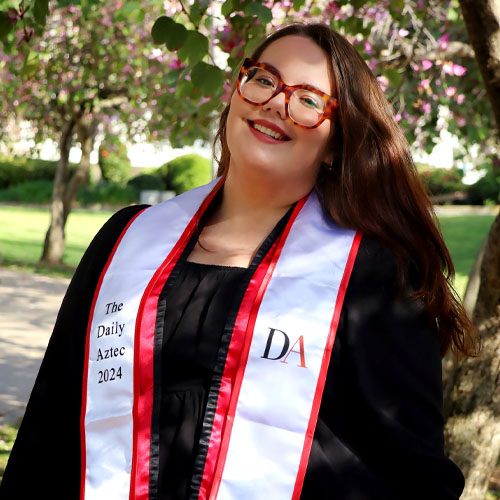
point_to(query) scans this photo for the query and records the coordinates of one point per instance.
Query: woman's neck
(238, 226)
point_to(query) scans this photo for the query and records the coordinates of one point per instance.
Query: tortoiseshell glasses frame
(330, 102)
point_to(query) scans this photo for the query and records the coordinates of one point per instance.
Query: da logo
(278, 339)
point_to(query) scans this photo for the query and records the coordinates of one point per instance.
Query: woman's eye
(309, 101)
(266, 82)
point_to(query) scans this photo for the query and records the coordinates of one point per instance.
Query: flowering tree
(92, 68)
(156, 67)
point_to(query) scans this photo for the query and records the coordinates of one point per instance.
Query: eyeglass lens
(305, 107)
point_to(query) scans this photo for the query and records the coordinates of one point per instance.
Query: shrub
(486, 191)
(143, 182)
(185, 172)
(113, 160)
(19, 170)
(29, 192)
(108, 193)
(441, 180)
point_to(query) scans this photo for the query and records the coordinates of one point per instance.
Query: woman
(237, 343)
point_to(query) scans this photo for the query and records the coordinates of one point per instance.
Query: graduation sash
(269, 391)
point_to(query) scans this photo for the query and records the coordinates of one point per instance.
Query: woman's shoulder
(114, 227)
(377, 264)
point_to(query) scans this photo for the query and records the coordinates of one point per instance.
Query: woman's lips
(264, 137)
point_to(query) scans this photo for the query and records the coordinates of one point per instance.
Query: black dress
(194, 322)
(379, 433)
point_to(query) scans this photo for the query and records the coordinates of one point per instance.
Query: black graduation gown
(380, 428)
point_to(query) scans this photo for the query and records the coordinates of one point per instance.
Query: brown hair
(373, 186)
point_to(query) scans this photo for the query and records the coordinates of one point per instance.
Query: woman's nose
(277, 103)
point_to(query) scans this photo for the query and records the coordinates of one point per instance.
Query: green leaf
(263, 13)
(227, 8)
(130, 11)
(197, 11)
(66, 3)
(30, 65)
(208, 107)
(160, 28)
(5, 25)
(176, 36)
(452, 14)
(298, 4)
(172, 77)
(41, 11)
(184, 89)
(208, 79)
(396, 6)
(394, 76)
(358, 3)
(195, 47)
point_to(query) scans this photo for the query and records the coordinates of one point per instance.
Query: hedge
(113, 160)
(107, 193)
(185, 172)
(18, 170)
(39, 191)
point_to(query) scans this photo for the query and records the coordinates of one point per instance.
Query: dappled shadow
(28, 309)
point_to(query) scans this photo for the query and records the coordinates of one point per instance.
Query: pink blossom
(425, 84)
(421, 4)
(443, 42)
(461, 121)
(414, 66)
(451, 91)
(13, 15)
(398, 117)
(459, 70)
(403, 32)
(425, 107)
(426, 64)
(460, 99)
(372, 63)
(227, 92)
(451, 68)
(383, 82)
(368, 48)
(175, 64)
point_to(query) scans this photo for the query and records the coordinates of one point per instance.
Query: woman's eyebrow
(302, 83)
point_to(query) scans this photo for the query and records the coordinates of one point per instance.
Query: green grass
(8, 434)
(464, 236)
(22, 232)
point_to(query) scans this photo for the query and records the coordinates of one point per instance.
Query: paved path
(28, 310)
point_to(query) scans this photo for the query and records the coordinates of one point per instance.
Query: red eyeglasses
(305, 105)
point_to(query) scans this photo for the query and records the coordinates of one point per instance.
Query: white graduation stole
(275, 366)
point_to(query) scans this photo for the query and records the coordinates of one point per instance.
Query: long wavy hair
(373, 186)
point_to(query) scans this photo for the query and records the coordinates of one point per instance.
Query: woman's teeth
(268, 131)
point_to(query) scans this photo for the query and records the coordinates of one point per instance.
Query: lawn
(22, 231)
(464, 236)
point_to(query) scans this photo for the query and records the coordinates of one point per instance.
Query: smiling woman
(276, 333)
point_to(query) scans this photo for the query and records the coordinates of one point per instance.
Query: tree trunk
(472, 429)
(86, 135)
(53, 247)
(470, 295)
(65, 188)
(482, 19)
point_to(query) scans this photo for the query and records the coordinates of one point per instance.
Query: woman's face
(293, 163)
